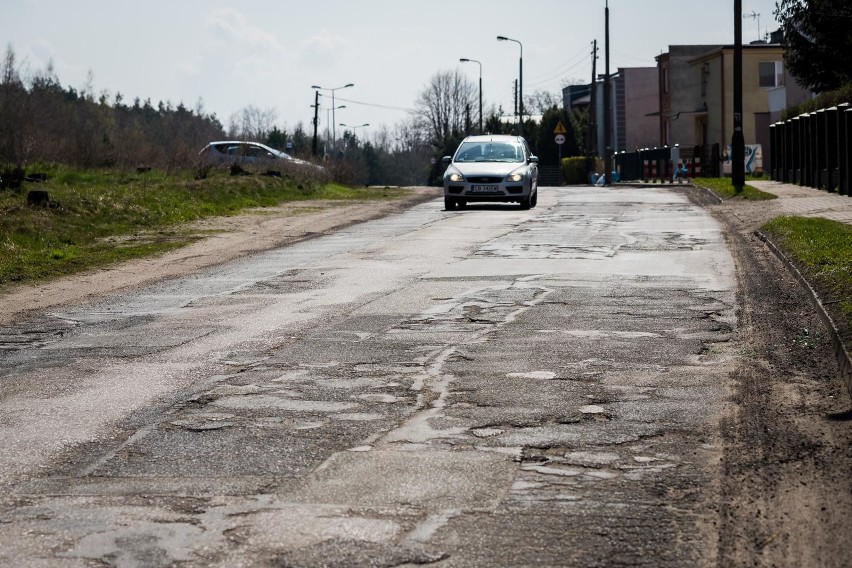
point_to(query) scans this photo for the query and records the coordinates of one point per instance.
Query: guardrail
(813, 149)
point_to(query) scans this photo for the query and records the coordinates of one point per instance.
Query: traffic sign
(560, 129)
(559, 139)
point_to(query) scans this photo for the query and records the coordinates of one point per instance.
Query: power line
(375, 105)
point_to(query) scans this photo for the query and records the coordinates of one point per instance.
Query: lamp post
(327, 131)
(520, 83)
(334, 132)
(465, 60)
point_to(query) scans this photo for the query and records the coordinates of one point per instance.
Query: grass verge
(95, 218)
(822, 250)
(724, 190)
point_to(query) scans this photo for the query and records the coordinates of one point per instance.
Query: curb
(709, 192)
(840, 350)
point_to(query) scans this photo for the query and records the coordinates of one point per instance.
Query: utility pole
(316, 122)
(606, 105)
(737, 140)
(516, 104)
(593, 99)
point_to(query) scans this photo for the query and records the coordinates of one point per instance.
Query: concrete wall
(641, 99)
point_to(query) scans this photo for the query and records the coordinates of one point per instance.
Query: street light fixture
(466, 60)
(354, 127)
(520, 83)
(328, 131)
(334, 132)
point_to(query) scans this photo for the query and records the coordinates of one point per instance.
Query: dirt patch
(222, 239)
(786, 494)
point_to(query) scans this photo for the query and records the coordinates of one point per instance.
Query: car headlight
(455, 177)
(515, 177)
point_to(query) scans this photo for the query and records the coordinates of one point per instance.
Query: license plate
(483, 188)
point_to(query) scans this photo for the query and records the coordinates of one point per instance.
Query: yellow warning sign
(560, 128)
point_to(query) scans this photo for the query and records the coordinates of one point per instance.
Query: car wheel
(449, 203)
(534, 199)
(525, 203)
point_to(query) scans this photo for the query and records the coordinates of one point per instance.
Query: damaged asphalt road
(489, 387)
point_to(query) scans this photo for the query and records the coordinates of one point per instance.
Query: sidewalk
(805, 201)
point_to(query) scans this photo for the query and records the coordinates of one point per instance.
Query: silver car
(250, 155)
(491, 168)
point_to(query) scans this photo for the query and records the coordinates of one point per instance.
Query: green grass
(723, 188)
(100, 217)
(822, 249)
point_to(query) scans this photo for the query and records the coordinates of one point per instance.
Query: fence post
(821, 163)
(846, 154)
(796, 135)
(774, 148)
(787, 174)
(840, 149)
(831, 144)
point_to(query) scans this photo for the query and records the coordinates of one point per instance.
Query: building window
(771, 73)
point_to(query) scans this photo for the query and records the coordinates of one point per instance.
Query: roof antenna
(754, 16)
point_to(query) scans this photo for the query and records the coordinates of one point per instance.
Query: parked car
(491, 168)
(250, 156)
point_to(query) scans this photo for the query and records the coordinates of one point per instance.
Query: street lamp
(465, 60)
(334, 132)
(520, 83)
(354, 127)
(331, 122)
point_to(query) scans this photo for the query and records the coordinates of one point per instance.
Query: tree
(817, 41)
(252, 123)
(441, 108)
(541, 101)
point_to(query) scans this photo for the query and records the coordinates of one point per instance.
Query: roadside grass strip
(723, 189)
(98, 217)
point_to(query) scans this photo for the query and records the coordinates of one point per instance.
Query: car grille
(484, 179)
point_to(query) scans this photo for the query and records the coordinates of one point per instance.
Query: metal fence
(813, 149)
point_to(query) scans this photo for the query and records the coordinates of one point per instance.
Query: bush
(576, 169)
(823, 100)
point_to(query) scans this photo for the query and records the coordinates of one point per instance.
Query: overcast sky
(268, 53)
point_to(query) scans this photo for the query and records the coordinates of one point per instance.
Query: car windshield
(489, 152)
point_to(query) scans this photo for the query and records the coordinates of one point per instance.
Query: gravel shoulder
(786, 492)
(226, 238)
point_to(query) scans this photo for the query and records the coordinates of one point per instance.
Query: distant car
(250, 155)
(491, 168)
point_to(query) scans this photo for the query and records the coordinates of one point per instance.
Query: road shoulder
(227, 238)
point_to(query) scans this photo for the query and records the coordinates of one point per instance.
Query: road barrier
(660, 165)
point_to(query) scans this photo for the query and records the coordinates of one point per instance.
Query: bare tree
(441, 108)
(541, 101)
(252, 123)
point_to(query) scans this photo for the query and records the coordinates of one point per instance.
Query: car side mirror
(446, 160)
(533, 159)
